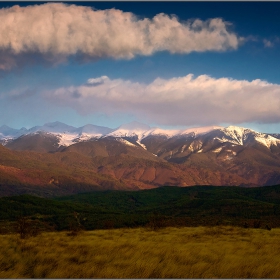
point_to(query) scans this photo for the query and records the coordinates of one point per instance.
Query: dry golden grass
(201, 252)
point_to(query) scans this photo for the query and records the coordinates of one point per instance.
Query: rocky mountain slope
(64, 159)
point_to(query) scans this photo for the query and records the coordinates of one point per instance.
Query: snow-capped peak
(199, 130)
(237, 129)
(159, 131)
(69, 135)
(130, 130)
(241, 135)
(237, 133)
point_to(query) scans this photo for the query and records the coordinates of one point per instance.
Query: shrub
(75, 225)
(257, 224)
(26, 228)
(267, 227)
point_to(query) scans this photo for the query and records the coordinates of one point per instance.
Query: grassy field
(198, 252)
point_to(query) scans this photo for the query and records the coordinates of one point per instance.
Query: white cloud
(178, 101)
(57, 29)
(268, 43)
(97, 81)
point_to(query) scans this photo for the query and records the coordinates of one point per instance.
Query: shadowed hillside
(166, 206)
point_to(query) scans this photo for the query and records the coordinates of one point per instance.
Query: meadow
(170, 252)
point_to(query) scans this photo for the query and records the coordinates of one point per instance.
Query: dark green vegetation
(165, 206)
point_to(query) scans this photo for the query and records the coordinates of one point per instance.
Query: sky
(166, 64)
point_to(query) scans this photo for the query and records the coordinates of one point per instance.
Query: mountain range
(56, 159)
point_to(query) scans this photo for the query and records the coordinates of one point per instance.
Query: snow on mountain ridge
(240, 135)
(130, 130)
(69, 135)
(267, 140)
(237, 133)
(200, 130)
(159, 131)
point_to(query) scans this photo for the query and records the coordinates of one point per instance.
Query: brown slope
(60, 173)
(257, 164)
(158, 173)
(110, 163)
(111, 147)
(252, 162)
(39, 142)
(254, 166)
(70, 172)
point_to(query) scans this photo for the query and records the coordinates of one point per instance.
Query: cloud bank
(178, 101)
(60, 30)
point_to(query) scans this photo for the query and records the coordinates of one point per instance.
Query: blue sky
(166, 64)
